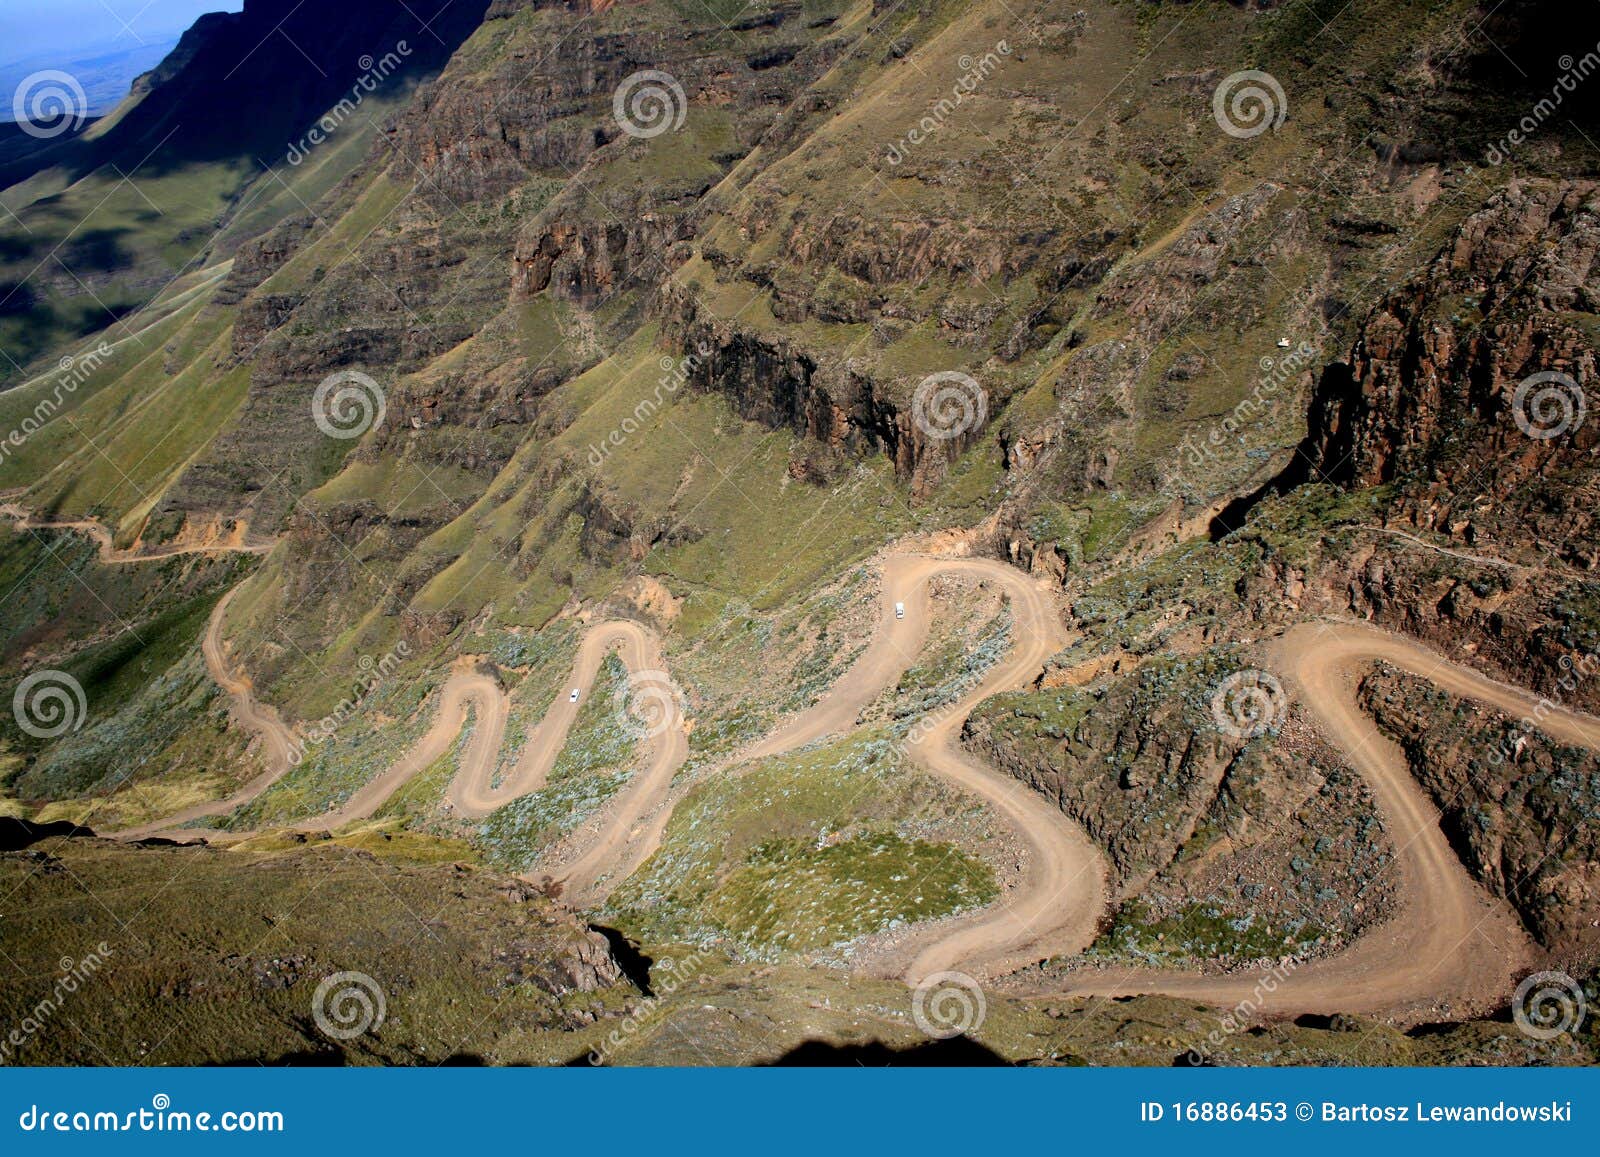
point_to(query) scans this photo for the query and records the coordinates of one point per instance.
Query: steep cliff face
(206, 153)
(1467, 385)
(518, 149)
(814, 392)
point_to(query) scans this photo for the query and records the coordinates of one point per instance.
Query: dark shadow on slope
(1323, 455)
(245, 85)
(299, 1059)
(957, 1052)
(17, 834)
(634, 963)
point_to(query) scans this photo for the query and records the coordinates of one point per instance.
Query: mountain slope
(1210, 319)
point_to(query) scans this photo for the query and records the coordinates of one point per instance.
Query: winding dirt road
(278, 741)
(100, 534)
(1449, 945)
(472, 792)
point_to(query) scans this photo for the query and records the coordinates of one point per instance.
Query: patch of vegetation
(596, 761)
(875, 841)
(956, 665)
(240, 940)
(798, 896)
(1203, 933)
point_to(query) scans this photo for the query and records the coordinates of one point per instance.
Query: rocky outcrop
(587, 261)
(1519, 808)
(780, 383)
(1193, 820)
(261, 257)
(1467, 384)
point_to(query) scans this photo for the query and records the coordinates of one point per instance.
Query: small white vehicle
(899, 610)
(573, 698)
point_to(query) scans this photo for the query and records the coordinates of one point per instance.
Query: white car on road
(573, 698)
(899, 610)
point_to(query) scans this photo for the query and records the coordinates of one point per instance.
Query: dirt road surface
(1449, 946)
